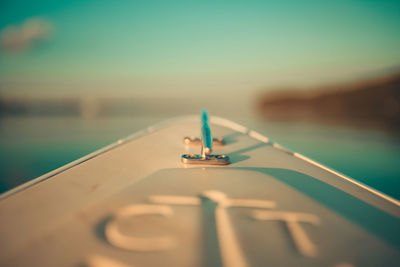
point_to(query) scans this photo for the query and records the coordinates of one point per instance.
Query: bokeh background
(320, 77)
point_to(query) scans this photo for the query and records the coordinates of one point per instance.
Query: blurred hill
(371, 103)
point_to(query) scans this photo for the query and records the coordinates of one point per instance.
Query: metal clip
(196, 141)
(206, 147)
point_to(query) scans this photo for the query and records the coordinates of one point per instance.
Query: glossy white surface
(61, 219)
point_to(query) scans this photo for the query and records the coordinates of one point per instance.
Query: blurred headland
(371, 103)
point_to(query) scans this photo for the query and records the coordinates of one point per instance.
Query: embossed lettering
(230, 252)
(304, 245)
(120, 240)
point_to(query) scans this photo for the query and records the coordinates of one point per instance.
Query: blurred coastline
(370, 103)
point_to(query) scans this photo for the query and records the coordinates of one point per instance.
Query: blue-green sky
(170, 47)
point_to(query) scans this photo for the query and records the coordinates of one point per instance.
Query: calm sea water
(32, 146)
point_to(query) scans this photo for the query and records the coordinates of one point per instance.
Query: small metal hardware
(208, 160)
(206, 142)
(196, 141)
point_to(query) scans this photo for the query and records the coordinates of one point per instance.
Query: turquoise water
(32, 146)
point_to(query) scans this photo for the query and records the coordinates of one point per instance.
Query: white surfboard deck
(134, 203)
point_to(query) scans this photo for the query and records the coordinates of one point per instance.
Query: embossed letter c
(118, 239)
